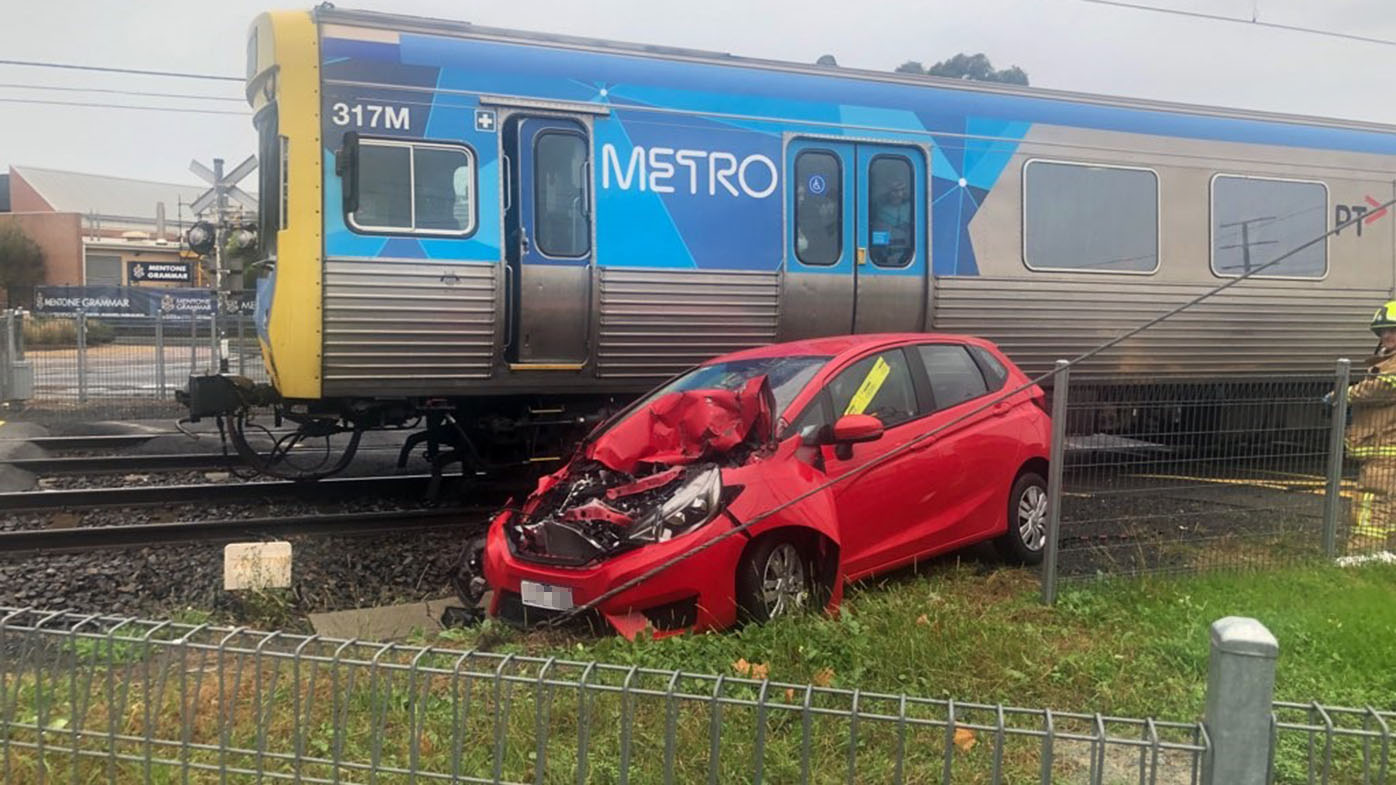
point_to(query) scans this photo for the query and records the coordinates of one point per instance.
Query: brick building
(103, 231)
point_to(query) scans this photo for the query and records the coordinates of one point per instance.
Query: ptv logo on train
(667, 170)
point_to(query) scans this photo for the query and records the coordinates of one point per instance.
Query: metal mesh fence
(101, 699)
(126, 366)
(1175, 475)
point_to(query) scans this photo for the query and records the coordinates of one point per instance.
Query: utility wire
(1240, 21)
(114, 70)
(917, 441)
(93, 105)
(141, 93)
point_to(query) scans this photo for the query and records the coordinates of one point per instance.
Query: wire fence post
(1333, 498)
(1061, 381)
(242, 336)
(7, 372)
(82, 356)
(160, 354)
(1240, 695)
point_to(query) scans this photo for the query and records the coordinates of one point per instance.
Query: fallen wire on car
(571, 613)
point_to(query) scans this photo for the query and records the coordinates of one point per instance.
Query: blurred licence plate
(541, 595)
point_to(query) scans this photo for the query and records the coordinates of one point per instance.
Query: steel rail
(106, 464)
(94, 442)
(337, 487)
(94, 538)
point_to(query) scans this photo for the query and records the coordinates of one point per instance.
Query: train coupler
(214, 395)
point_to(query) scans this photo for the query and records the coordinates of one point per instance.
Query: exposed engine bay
(653, 475)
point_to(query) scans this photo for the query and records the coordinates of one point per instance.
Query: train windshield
(271, 182)
(786, 375)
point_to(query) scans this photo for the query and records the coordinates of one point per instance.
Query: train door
(548, 242)
(856, 244)
(890, 270)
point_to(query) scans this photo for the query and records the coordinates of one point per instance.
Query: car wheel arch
(815, 545)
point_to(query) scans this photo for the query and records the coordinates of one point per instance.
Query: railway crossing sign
(223, 185)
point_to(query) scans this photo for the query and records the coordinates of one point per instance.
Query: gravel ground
(329, 573)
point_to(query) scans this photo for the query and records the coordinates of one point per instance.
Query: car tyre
(776, 577)
(1026, 537)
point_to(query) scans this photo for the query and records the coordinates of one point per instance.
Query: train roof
(327, 13)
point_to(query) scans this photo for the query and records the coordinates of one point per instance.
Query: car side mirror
(848, 431)
(854, 428)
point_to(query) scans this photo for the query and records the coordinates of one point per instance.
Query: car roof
(836, 345)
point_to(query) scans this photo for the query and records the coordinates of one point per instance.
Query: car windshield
(786, 375)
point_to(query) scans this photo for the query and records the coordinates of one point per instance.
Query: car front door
(876, 508)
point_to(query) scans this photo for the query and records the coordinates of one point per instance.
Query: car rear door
(974, 460)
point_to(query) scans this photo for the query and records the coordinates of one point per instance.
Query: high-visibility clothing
(1371, 438)
(1374, 508)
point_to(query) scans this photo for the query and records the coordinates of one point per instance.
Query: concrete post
(160, 355)
(1240, 696)
(1333, 499)
(1061, 382)
(82, 356)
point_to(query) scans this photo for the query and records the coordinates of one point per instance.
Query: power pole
(1246, 241)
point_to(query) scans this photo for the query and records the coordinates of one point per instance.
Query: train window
(818, 208)
(560, 195)
(1256, 220)
(385, 187)
(419, 188)
(891, 207)
(1090, 218)
(954, 376)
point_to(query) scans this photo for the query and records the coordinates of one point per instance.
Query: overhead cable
(115, 70)
(93, 105)
(141, 93)
(1242, 21)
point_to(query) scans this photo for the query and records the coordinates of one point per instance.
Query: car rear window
(955, 378)
(994, 372)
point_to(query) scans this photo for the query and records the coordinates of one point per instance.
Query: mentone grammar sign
(131, 301)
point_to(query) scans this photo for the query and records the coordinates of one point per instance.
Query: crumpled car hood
(685, 427)
(612, 495)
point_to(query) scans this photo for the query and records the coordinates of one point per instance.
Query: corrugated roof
(114, 199)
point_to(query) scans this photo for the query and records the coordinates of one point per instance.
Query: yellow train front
(498, 235)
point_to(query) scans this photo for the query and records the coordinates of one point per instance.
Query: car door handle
(1002, 407)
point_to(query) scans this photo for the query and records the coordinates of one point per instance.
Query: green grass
(1136, 647)
(1119, 647)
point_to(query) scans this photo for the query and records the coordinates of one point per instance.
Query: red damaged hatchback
(748, 432)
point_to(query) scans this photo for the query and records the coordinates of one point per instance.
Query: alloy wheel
(1032, 517)
(783, 585)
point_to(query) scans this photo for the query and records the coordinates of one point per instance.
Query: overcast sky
(1065, 44)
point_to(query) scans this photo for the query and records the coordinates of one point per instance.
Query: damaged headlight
(692, 505)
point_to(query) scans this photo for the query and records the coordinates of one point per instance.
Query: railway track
(95, 538)
(329, 489)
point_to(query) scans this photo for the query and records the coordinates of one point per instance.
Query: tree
(21, 263)
(965, 66)
(978, 68)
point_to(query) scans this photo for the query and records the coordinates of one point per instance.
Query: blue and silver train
(499, 225)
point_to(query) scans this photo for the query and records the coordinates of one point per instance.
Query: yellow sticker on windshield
(868, 389)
